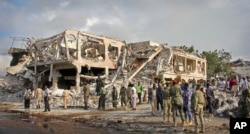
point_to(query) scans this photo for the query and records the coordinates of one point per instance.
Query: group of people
(175, 98)
(38, 94)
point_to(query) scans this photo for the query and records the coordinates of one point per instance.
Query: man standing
(150, 88)
(46, 99)
(130, 85)
(27, 97)
(153, 99)
(38, 96)
(198, 103)
(139, 90)
(166, 102)
(187, 95)
(176, 100)
(159, 97)
(123, 96)
(210, 98)
(133, 99)
(114, 97)
(243, 84)
(99, 85)
(243, 104)
(102, 98)
(66, 94)
(86, 90)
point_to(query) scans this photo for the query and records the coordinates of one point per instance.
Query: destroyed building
(69, 59)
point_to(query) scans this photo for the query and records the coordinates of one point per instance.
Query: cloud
(90, 22)
(208, 25)
(5, 62)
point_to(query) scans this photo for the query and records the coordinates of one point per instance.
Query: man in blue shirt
(187, 95)
(159, 97)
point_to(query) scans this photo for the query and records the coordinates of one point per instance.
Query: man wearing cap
(176, 100)
(198, 104)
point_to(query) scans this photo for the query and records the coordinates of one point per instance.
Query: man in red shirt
(232, 82)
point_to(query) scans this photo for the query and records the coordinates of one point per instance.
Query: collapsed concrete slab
(71, 58)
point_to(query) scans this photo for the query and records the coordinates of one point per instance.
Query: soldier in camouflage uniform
(114, 97)
(198, 104)
(86, 90)
(123, 95)
(244, 104)
(176, 100)
(166, 103)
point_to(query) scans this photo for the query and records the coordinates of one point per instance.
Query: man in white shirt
(244, 83)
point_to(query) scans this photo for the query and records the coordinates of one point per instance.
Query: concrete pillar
(106, 72)
(78, 79)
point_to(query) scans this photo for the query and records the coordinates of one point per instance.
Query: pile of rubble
(70, 58)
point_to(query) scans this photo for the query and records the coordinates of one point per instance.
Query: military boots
(202, 129)
(196, 130)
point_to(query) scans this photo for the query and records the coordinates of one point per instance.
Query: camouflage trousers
(115, 103)
(199, 115)
(175, 108)
(86, 101)
(166, 108)
(101, 104)
(123, 101)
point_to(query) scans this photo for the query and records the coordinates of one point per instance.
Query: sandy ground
(93, 121)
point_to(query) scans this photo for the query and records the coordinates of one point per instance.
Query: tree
(189, 49)
(218, 63)
(212, 62)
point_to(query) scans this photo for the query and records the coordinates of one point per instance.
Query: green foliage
(218, 62)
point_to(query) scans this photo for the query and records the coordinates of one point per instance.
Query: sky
(204, 24)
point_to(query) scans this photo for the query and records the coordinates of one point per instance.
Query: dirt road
(93, 121)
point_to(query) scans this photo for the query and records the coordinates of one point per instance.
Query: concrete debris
(71, 58)
(225, 104)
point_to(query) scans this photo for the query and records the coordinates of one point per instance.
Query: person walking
(123, 96)
(114, 97)
(166, 103)
(139, 91)
(46, 99)
(66, 96)
(27, 97)
(176, 101)
(187, 95)
(198, 104)
(38, 97)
